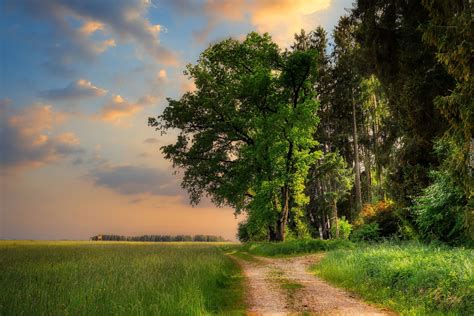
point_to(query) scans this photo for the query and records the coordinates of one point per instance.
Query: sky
(78, 81)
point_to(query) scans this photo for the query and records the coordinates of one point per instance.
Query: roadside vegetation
(293, 247)
(115, 278)
(411, 278)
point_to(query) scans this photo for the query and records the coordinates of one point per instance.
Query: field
(114, 278)
(139, 278)
(412, 279)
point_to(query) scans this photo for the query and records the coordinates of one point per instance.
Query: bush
(251, 232)
(384, 214)
(345, 228)
(440, 211)
(366, 232)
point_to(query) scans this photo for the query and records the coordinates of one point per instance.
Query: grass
(412, 279)
(290, 285)
(293, 247)
(114, 278)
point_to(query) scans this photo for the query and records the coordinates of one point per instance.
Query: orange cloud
(118, 108)
(281, 18)
(186, 85)
(90, 27)
(162, 74)
(284, 18)
(102, 46)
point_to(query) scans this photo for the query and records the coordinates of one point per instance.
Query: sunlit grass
(117, 278)
(293, 247)
(412, 279)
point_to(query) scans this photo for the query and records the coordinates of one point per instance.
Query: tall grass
(113, 278)
(292, 247)
(412, 279)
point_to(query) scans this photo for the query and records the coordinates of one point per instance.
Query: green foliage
(292, 247)
(332, 170)
(412, 279)
(116, 278)
(345, 228)
(391, 42)
(252, 231)
(385, 215)
(366, 232)
(441, 211)
(246, 133)
(331, 180)
(451, 31)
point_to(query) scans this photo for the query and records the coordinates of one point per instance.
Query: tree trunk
(368, 167)
(321, 214)
(336, 220)
(272, 233)
(356, 160)
(282, 221)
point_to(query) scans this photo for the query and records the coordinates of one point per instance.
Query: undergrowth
(292, 247)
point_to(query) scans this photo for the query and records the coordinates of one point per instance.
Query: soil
(284, 286)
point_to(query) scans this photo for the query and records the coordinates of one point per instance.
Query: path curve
(283, 286)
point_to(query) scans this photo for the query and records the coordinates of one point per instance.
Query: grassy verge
(412, 279)
(293, 247)
(114, 278)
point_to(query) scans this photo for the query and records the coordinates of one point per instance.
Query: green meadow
(410, 278)
(181, 278)
(115, 278)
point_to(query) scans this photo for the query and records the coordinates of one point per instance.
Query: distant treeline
(159, 238)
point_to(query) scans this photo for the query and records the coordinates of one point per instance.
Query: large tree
(245, 135)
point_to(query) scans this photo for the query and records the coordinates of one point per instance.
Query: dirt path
(284, 286)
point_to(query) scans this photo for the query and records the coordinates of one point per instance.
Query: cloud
(186, 84)
(79, 89)
(90, 27)
(118, 108)
(27, 137)
(162, 74)
(123, 19)
(144, 155)
(4, 103)
(130, 180)
(152, 141)
(280, 18)
(283, 18)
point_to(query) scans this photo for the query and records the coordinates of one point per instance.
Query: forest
(159, 238)
(366, 134)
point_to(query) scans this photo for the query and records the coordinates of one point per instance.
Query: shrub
(345, 228)
(440, 211)
(249, 231)
(384, 214)
(366, 232)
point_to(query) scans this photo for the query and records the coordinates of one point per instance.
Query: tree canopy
(246, 133)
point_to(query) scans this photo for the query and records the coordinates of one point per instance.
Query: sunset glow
(79, 80)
